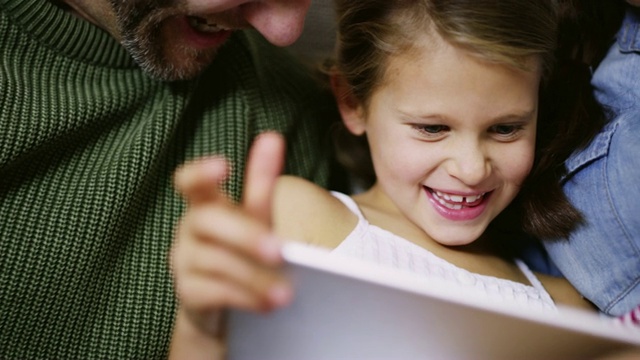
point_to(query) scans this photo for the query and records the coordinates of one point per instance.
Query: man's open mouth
(205, 25)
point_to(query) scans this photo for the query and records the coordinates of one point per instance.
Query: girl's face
(452, 139)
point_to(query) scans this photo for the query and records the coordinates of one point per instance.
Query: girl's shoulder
(562, 292)
(306, 212)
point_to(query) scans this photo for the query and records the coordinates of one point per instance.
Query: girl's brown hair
(508, 32)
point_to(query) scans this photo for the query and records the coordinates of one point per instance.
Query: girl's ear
(350, 108)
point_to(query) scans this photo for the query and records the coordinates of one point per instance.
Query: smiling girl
(446, 95)
(449, 108)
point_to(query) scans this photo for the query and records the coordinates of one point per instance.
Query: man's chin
(165, 58)
(174, 67)
(172, 73)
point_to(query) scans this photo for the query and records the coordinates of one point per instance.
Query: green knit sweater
(88, 144)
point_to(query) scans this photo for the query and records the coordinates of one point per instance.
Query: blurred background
(319, 35)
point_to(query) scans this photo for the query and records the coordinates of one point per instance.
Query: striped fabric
(88, 144)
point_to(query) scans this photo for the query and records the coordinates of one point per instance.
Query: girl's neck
(480, 256)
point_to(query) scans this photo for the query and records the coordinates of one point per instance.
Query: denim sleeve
(602, 258)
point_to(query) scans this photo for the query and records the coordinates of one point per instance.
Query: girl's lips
(458, 207)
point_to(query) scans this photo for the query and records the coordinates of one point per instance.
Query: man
(101, 101)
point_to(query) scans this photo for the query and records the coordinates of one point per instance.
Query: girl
(445, 93)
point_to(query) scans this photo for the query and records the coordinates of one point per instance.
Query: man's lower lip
(464, 214)
(202, 40)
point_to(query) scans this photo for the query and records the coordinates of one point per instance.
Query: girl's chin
(458, 238)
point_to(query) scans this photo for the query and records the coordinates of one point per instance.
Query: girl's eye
(506, 131)
(430, 130)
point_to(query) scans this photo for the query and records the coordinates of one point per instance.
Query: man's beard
(140, 25)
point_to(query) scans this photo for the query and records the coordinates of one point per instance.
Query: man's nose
(280, 21)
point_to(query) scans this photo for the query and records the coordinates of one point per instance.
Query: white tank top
(372, 243)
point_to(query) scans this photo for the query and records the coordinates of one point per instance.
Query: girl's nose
(469, 164)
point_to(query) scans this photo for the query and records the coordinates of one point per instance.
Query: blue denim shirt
(602, 258)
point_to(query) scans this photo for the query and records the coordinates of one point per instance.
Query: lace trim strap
(349, 203)
(533, 279)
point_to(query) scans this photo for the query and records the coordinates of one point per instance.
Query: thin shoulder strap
(533, 279)
(349, 203)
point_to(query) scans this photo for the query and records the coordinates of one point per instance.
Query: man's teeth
(456, 201)
(204, 25)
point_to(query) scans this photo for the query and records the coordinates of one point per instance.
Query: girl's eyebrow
(409, 114)
(524, 116)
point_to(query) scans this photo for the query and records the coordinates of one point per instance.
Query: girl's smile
(457, 207)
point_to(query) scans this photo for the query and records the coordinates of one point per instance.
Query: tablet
(350, 309)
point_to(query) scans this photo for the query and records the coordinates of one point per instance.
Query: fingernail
(280, 294)
(270, 249)
(214, 166)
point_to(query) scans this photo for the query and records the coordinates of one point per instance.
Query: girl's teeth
(472, 199)
(456, 199)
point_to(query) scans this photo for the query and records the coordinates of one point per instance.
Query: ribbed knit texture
(88, 144)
